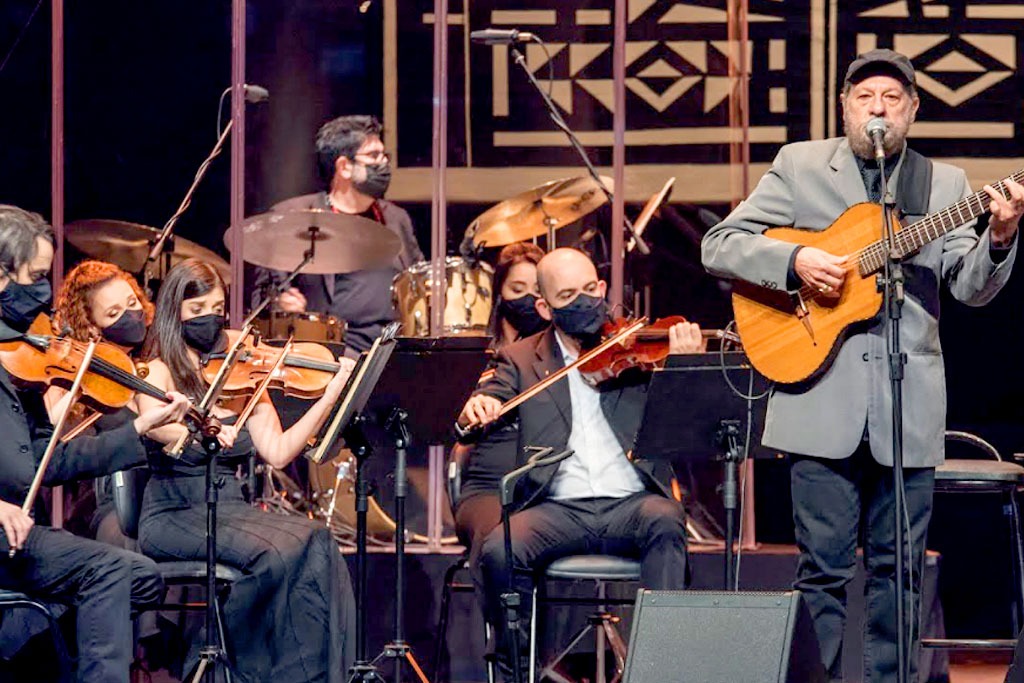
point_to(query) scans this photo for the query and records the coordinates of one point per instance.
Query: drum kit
(328, 242)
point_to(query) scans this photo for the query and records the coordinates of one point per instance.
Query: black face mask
(128, 330)
(522, 314)
(378, 178)
(20, 304)
(203, 333)
(582, 318)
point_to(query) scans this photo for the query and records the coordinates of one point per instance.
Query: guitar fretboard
(933, 226)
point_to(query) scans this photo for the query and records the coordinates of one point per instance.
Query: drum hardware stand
(278, 289)
(560, 123)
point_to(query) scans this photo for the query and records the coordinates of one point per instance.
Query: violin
(305, 372)
(39, 357)
(645, 349)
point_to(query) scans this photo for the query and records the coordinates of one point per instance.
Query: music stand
(692, 413)
(436, 376)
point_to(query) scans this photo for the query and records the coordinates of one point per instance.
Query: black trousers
(101, 582)
(836, 502)
(645, 526)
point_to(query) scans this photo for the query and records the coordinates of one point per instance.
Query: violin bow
(516, 401)
(51, 446)
(205, 407)
(540, 386)
(263, 385)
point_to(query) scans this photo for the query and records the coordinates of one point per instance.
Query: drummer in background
(356, 172)
(486, 461)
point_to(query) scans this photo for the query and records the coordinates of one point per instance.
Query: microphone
(501, 36)
(876, 130)
(256, 93)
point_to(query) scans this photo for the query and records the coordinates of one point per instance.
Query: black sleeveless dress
(292, 618)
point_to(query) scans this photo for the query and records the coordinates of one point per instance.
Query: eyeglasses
(374, 157)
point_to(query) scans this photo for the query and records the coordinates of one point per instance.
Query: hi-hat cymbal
(528, 214)
(344, 243)
(127, 245)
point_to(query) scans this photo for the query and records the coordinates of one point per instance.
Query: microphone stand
(510, 599)
(155, 251)
(892, 286)
(560, 123)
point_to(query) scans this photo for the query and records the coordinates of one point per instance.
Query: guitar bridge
(804, 316)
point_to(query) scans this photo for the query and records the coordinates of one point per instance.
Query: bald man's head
(562, 275)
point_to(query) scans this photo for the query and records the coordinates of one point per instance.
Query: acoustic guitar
(792, 336)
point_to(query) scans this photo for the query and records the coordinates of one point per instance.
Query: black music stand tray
(418, 393)
(692, 414)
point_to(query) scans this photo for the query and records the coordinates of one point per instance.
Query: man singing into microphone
(837, 426)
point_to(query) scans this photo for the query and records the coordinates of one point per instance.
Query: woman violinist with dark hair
(292, 617)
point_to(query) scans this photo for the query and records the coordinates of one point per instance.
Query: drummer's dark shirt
(361, 299)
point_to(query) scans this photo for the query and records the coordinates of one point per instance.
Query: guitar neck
(933, 226)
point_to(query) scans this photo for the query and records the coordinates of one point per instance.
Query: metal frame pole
(236, 301)
(57, 181)
(615, 295)
(439, 206)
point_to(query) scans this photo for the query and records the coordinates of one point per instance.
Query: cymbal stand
(556, 118)
(279, 288)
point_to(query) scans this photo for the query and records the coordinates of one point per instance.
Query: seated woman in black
(292, 617)
(487, 460)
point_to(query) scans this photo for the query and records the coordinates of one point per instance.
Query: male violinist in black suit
(600, 500)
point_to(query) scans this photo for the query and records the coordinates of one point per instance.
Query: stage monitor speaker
(718, 637)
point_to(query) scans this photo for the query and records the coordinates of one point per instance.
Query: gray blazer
(808, 186)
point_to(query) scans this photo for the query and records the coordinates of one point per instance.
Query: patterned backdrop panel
(678, 87)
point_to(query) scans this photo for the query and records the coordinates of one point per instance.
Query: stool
(600, 569)
(993, 476)
(14, 600)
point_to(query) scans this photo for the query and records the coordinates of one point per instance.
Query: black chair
(128, 486)
(453, 485)
(14, 600)
(989, 475)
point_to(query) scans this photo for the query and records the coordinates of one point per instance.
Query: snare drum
(468, 298)
(312, 327)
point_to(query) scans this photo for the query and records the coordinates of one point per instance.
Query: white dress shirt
(599, 467)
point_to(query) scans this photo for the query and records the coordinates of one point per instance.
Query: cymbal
(344, 243)
(647, 213)
(524, 216)
(127, 245)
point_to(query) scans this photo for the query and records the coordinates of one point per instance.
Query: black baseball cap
(881, 62)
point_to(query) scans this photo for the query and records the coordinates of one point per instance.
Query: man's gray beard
(861, 144)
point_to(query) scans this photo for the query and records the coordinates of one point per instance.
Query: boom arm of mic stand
(560, 123)
(158, 245)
